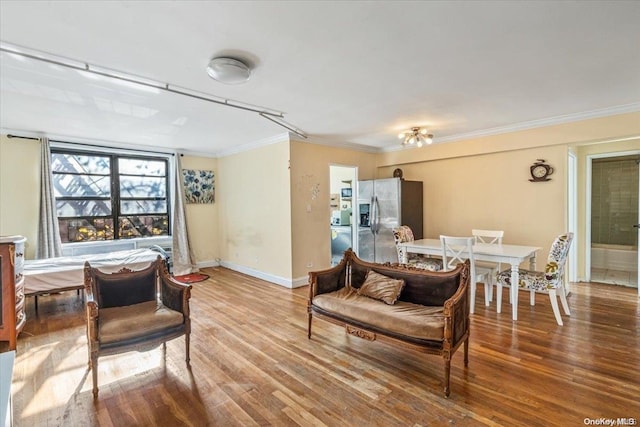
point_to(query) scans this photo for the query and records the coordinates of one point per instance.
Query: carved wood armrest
(92, 318)
(456, 308)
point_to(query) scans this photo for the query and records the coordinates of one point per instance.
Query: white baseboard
(287, 283)
(208, 263)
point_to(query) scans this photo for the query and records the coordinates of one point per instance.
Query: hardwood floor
(252, 364)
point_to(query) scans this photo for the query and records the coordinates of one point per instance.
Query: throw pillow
(381, 287)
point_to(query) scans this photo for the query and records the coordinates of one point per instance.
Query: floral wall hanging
(199, 186)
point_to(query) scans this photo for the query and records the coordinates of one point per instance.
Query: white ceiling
(343, 72)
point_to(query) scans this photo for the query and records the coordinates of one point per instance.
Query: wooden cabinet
(12, 304)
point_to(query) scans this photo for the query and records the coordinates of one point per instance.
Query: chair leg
(492, 281)
(532, 297)
(309, 327)
(554, 306)
(187, 340)
(473, 295)
(466, 352)
(499, 297)
(447, 374)
(563, 300)
(94, 373)
(488, 286)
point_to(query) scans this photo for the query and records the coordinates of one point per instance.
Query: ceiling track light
(276, 117)
(416, 136)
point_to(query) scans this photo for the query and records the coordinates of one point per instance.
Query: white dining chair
(490, 237)
(456, 250)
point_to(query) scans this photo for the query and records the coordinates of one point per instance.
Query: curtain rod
(88, 145)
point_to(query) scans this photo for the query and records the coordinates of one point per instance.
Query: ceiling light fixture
(228, 70)
(416, 136)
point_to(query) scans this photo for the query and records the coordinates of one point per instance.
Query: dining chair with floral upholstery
(550, 281)
(404, 234)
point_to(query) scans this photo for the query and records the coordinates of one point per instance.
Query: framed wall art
(199, 186)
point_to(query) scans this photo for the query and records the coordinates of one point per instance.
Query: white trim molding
(287, 283)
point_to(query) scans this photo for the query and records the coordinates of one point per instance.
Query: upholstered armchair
(550, 281)
(404, 234)
(133, 310)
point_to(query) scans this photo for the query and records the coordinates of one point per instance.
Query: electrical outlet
(309, 264)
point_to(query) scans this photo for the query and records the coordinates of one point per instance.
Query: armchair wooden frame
(157, 286)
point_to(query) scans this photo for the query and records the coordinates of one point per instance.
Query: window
(101, 196)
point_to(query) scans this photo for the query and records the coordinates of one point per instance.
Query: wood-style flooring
(252, 364)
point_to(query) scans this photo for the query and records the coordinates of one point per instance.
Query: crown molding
(532, 124)
(337, 144)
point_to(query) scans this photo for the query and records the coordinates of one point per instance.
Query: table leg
(514, 290)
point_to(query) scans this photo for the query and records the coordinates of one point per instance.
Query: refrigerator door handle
(372, 219)
(377, 215)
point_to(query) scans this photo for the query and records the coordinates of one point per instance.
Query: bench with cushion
(399, 304)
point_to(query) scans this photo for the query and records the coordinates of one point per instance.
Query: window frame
(115, 200)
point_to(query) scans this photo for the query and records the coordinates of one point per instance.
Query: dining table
(513, 255)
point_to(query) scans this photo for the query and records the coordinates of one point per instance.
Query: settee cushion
(381, 287)
(137, 320)
(402, 318)
(424, 289)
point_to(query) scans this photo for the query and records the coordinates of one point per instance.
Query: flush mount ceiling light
(416, 136)
(228, 70)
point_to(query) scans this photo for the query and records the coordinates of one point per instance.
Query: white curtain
(49, 243)
(182, 257)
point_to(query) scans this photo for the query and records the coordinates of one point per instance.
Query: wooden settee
(431, 313)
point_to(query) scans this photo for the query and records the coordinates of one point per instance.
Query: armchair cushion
(115, 290)
(118, 324)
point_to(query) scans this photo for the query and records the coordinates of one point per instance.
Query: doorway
(343, 183)
(613, 208)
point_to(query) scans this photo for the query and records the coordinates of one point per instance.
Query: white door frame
(572, 216)
(355, 213)
(587, 243)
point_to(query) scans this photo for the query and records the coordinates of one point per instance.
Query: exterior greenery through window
(101, 196)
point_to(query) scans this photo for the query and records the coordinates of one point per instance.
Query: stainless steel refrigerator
(382, 205)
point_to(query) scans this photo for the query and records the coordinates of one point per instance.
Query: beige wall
(20, 189)
(271, 214)
(493, 191)
(203, 219)
(255, 211)
(483, 182)
(310, 192)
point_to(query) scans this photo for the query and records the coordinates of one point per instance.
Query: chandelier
(417, 135)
